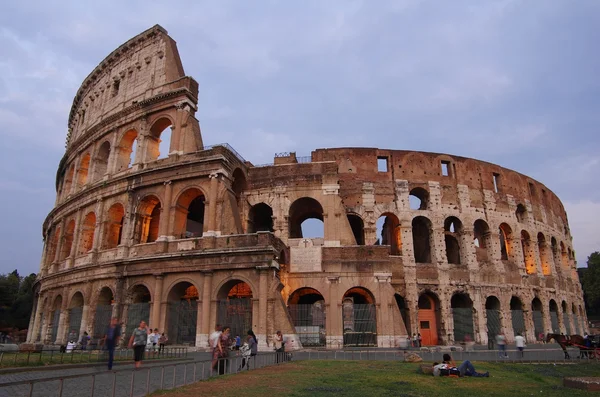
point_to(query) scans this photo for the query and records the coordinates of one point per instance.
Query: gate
(75, 315)
(309, 322)
(463, 323)
(183, 316)
(136, 312)
(236, 313)
(360, 324)
(55, 321)
(567, 323)
(538, 323)
(102, 320)
(493, 322)
(518, 322)
(554, 322)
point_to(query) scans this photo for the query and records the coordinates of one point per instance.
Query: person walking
(138, 341)
(253, 344)
(501, 342)
(84, 340)
(222, 351)
(520, 342)
(111, 339)
(213, 341)
(162, 340)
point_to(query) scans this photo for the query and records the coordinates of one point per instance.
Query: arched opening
(52, 245)
(538, 318)
(482, 239)
(492, 310)
(545, 254)
(148, 220)
(75, 316)
(521, 213)
(68, 182)
(306, 219)
(55, 316)
(182, 315)
(67, 240)
(462, 314)
(126, 150)
(505, 235)
(234, 307)
(88, 227)
(516, 314)
(138, 308)
(388, 233)
(260, 218)
(189, 214)
(101, 161)
(307, 309)
(358, 228)
(528, 253)
(566, 321)
(158, 142)
(452, 232)
(104, 308)
(564, 259)
(404, 311)
(82, 171)
(418, 199)
(575, 320)
(421, 230)
(429, 318)
(42, 321)
(554, 316)
(359, 318)
(113, 228)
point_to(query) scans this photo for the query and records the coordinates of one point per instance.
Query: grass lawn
(378, 378)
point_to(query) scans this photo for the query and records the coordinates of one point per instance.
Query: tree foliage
(590, 282)
(16, 299)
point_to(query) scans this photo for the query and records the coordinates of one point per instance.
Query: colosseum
(409, 242)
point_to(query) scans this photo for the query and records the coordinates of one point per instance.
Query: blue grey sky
(511, 82)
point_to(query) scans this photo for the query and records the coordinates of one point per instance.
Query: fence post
(60, 387)
(148, 382)
(132, 382)
(93, 384)
(184, 374)
(114, 385)
(174, 370)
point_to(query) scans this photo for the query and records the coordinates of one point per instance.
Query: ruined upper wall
(139, 69)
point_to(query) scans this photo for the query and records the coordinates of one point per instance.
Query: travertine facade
(199, 236)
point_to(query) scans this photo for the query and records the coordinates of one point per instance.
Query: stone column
(75, 241)
(199, 323)
(165, 224)
(334, 316)
(156, 301)
(59, 245)
(38, 319)
(479, 318)
(84, 320)
(61, 332)
(212, 205)
(529, 326)
(32, 319)
(263, 287)
(202, 338)
(99, 226)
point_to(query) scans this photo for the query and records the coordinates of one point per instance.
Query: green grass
(377, 378)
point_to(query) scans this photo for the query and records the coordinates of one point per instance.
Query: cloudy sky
(511, 82)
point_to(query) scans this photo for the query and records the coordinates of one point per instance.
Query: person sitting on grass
(449, 368)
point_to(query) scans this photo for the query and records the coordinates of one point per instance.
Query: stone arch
(462, 314)
(306, 306)
(301, 210)
(67, 240)
(75, 315)
(55, 317)
(537, 310)
(68, 181)
(545, 254)
(390, 232)
(88, 229)
(260, 218)
(359, 317)
(101, 159)
(53, 239)
(553, 310)
(104, 309)
(564, 259)
(83, 170)
(238, 185)
(482, 239)
(190, 209)
(429, 317)
(493, 316)
(234, 305)
(566, 320)
(453, 229)
(148, 219)
(182, 313)
(157, 134)
(521, 213)
(139, 297)
(126, 150)
(404, 309)
(113, 226)
(139, 293)
(358, 227)
(418, 199)
(528, 252)
(516, 314)
(422, 235)
(506, 248)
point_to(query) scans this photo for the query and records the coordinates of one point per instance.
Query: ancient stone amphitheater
(194, 235)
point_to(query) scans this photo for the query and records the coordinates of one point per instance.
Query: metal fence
(463, 323)
(518, 321)
(538, 323)
(75, 316)
(309, 322)
(182, 321)
(554, 322)
(493, 322)
(136, 312)
(55, 321)
(236, 314)
(360, 324)
(102, 320)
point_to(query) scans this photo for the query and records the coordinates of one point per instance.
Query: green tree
(590, 282)
(16, 299)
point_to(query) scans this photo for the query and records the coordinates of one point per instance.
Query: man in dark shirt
(113, 333)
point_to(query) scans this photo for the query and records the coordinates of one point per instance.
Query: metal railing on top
(228, 147)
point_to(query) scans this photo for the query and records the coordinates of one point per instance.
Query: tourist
(414, 341)
(238, 342)
(221, 352)
(138, 341)
(155, 338)
(490, 341)
(111, 339)
(213, 341)
(541, 337)
(449, 368)
(162, 340)
(279, 345)
(84, 340)
(501, 342)
(520, 342)
(150, 340)
(253, 344)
